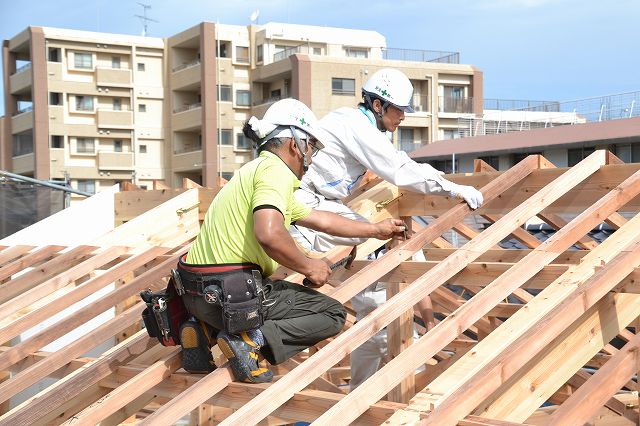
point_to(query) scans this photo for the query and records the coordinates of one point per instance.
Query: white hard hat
(292, 112)
(391, 86)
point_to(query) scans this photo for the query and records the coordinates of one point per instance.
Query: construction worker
(359, 139)
(245, 236)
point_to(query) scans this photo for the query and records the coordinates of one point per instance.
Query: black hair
(270, 145)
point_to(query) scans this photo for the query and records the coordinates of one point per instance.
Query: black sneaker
(242, 353)
(196, 353)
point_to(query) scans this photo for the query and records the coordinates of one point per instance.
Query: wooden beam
(28, 260)
(129, 390)
(43, 407)
(536, 381)
(13, 252)
(472, 375)
(451, 326)
(587, 400)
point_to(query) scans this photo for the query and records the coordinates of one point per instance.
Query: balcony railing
(23, 110)
(286, 53)
(186, 148)
(23, 67)
(187, 107)
(420, 103)
(455, 105)
(187, 65)
(421, 55)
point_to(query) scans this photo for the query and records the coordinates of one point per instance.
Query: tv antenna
(144, 18)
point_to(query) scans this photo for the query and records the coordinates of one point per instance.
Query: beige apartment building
(100, 108)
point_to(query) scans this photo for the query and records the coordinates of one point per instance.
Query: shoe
(196, 353)
(242, 353)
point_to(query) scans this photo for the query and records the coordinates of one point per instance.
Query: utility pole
(144, 18)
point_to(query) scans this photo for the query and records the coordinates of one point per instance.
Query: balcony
(421, 103)
(187, 117)
(20, 82)
(455, 105)
(187, 161)
(22, 120)
(23, 164)
(186, 75)
(115, 160)
(117, 77)
(114, 119)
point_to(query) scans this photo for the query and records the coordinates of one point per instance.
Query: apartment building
(102, 108)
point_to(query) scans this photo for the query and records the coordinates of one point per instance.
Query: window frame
(79, 60)
(341, 91)
(82, 145)
(241, 94)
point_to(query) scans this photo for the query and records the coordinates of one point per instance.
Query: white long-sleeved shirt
(353, 145)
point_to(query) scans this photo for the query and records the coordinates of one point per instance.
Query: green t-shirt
(227, 234)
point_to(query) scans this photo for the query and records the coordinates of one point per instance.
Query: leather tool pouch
(242, 300)
(164, 314)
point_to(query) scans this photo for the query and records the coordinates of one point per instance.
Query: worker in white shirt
(359, 139)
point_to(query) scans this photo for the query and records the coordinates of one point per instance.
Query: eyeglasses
(315, 147)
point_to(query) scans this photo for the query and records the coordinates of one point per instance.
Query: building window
(223, 49)
(450, 134)
(243, 98)
(574, 156)
(84, 103)
(83, 60)
(242, 54)
(354, 52)
(405, 139)
(224, 93)
(115, 62)
(55, 98)
(87, 186)
(343, 86)
(492, 160)
(141, 66)
(54, 54)
(85, 145)
(445, 165)
(23, 143)
(242, 142)
(226, 175)
(142, 149)
(117, 104)
(57, 141)
(142, 108)
(226, 137)
(260, 53)
(519, 156)
(317, 51)
(117, 146)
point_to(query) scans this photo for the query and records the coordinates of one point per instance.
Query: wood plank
(472, 376)
(536, 381)
(399, 337)
(43, 337)
(585, 194)
(28, 260)
(584, 403)
(13, 252)
(14, 327)
(558, 222)
(129, 390)
(32, 278)
(435, 339)
(42, 408)
(63, 278)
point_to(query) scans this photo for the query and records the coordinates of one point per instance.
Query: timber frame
(542, 335)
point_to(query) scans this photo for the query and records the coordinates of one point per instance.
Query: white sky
(528, 49)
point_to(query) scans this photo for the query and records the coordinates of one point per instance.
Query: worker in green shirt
(244, 237)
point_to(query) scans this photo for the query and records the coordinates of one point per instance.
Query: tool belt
(165, 312)
(235, 287)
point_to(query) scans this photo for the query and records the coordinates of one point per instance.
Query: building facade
(98, 108)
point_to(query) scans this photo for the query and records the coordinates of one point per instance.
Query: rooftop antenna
(145, 20)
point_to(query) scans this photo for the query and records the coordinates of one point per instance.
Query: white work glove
(472, 196)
